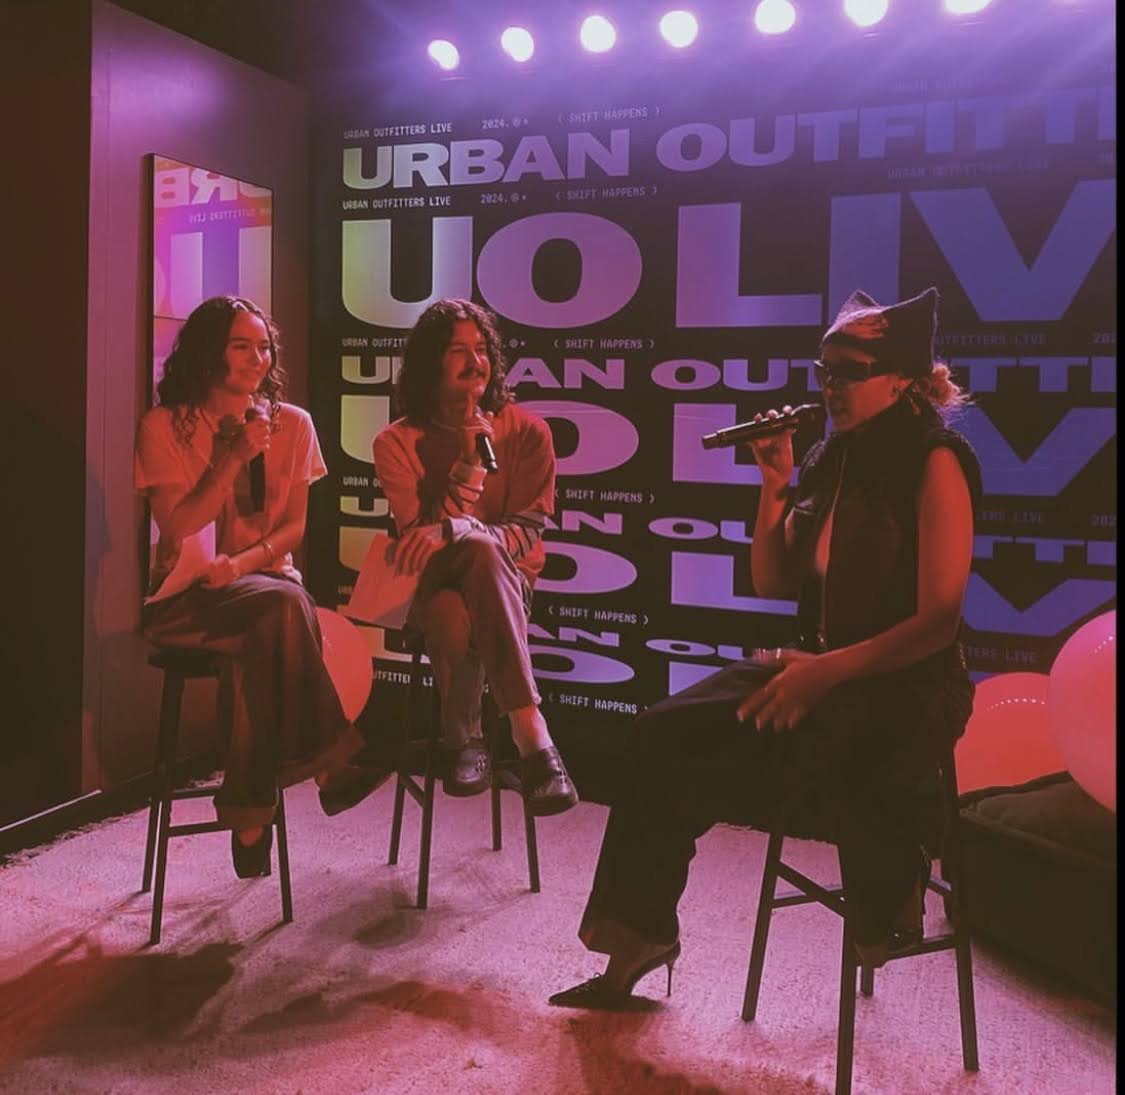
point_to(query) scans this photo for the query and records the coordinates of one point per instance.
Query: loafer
(469, 772)
(252, 860)
(547, 788)
(351, 785)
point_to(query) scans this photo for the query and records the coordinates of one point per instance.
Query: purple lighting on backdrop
(517, 43)
(866, 13)
(444, 54)
(679, 28)
(966, 7)
(774, 16)
(597, 34)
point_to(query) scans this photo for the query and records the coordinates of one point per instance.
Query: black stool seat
(189, 664)
(505, 775)
(179, 665)
(952, 889)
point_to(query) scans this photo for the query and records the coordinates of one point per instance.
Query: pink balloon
(348, 660)
(1008, 739)
(1082, 699)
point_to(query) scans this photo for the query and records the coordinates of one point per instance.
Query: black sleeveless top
(872, 578)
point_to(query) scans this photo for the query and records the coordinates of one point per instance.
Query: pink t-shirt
(162, 458)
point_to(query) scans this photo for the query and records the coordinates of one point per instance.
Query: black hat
(899, 336)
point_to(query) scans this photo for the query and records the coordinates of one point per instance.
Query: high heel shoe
(252, 860)
(595, 993)
(907, 928)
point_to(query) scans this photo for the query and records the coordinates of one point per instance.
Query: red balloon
(1008, 739)
(1082, 700)
(348, 660)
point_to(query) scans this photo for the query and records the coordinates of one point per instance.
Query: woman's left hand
(221, 572)
(791, 693)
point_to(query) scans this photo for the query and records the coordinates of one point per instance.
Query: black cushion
(1040, 862)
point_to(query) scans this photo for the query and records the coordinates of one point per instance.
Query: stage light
(774, 16)
(680, 28)
(866, 13)
(597, 34)
(966, 7)
(517, 43)
(444, 54)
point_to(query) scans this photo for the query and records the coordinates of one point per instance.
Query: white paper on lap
(381, 596)
(197, 553)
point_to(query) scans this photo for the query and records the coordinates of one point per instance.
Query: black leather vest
(872, 579)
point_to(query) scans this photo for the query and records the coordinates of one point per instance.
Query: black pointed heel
(596, 994)
(902, 936)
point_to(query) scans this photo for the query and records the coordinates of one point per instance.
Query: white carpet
(364, 993)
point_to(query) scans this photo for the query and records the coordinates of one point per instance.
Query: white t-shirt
(163, 458)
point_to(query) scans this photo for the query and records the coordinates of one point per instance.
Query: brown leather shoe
(547, 788)
(470, 770)
(350, 786)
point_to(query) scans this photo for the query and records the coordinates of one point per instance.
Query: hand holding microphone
(476, 442)
(249, 440)
(770, 437)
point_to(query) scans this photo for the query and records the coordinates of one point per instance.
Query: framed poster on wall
(211, 235)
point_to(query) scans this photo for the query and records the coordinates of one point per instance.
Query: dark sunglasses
(846, 370)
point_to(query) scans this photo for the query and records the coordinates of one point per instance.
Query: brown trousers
(472, 606)
(278, 710)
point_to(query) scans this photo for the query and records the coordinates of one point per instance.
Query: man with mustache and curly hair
(474, 539)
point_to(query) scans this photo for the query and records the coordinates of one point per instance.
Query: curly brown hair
(417, 386)
(198, 361)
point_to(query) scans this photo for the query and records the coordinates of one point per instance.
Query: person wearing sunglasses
(846, 729)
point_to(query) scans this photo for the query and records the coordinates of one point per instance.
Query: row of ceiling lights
(680, 28)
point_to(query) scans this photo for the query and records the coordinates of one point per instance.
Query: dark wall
(156, 91)
(44, 113)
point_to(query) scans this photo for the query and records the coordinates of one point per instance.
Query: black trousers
(858, 771)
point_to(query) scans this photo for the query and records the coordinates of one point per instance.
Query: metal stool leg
(532, 843)
(171, 695)
(845, 1032)
(403, 758)
(489, 721)
(762, 925)
(955, 875)
(283, 859)
(428, 802)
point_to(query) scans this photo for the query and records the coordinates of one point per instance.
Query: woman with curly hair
(470, 479)
(223, 448)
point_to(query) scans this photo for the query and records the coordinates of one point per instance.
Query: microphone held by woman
(764, 426)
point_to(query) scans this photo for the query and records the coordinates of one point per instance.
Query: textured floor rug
(365, 993)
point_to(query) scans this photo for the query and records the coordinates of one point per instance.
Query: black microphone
(487, 453)
(257, 470)
(764, 427)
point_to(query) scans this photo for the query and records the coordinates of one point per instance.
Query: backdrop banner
(664, 252)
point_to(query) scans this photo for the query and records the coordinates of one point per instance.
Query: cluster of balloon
(1082, 698)
(348, 660)
(1008, 739)
(1026, 725)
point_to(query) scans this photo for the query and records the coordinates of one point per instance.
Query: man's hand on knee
(416, 547)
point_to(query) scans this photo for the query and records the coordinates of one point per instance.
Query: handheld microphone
(257, 470)
(765, 427)
(487, 453)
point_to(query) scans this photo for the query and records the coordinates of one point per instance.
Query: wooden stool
(952, 888)
(505, 774)
(179, 666)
